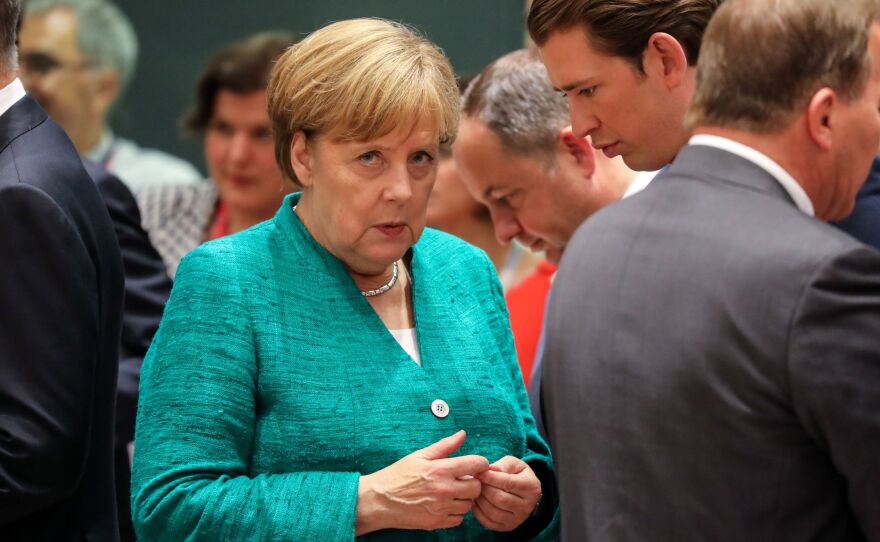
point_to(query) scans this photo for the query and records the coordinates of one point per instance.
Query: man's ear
(579, 148)
(820, 117)
(107, 84)
(301, 158)
(664, 57)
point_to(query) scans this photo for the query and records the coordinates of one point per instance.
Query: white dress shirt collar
(791, 186)
(642, 180)
(10, 94)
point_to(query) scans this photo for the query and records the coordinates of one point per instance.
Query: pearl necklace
(385, 287)
(381, 289)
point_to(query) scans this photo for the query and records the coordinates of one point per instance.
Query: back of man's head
(622, 27)
(105, 35)
(763, 60)
(515, 99)
(10, 10)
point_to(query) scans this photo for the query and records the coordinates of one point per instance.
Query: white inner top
(407, 340)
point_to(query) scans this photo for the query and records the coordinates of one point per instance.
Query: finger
(443, 447)
(460, 507)
(505, 501)
(510, 465)
(467, 489)
(510, 483)
(466, 465)
(486, 522)
(501, 518)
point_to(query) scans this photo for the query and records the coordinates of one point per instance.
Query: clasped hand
(429, 490)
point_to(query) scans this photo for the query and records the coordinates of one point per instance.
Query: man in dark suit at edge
(147, 288)
(61, 287)
(713, 360)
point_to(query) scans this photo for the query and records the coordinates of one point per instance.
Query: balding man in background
(712, 369)
(516, 154)
(61, 299)
(77, 59)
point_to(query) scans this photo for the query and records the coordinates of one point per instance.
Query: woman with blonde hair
(340, 370)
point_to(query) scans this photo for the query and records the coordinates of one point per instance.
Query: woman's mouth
(392, 229)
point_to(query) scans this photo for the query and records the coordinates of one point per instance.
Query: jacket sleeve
(147, 288)
(48, 349)
(543, 525)
(191, 477)
(834, 371)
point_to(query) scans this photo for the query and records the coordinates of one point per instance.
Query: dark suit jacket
(864, 222)
(61, 298)
(712, 369)
(147, 287)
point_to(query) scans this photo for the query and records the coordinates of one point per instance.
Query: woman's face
(240, 154)
(365, 201)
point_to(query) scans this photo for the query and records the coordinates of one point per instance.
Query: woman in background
(334, 372)
(245, 187)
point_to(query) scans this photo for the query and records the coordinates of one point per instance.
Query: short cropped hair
(763, 60)
(10, 10)
(362, 77)
(513, 96)
(622, 28)
(241, 67)
(104, 34)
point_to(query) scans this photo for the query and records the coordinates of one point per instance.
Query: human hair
(104, 34)
(760, 65)
(241, 67)
(10, 12)
(362, 77)
(622, 28)
(513, 96)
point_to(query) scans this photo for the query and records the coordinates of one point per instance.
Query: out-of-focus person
(61, 290)
(517, 155)
(77, 59)
(712, 357)
(246, 187)
(341, 353)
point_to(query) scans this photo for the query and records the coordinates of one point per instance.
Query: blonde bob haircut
(360, 78)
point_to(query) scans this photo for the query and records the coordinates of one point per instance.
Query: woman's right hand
(425, 490)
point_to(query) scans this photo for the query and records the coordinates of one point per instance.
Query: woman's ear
(301, 158)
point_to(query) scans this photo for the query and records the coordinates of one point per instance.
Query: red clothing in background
(526, 303)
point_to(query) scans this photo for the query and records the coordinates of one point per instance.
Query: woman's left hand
(509, 495)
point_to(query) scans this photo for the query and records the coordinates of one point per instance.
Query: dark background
(177, 38)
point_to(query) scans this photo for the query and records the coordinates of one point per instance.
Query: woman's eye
(369, 158)
(422, 158)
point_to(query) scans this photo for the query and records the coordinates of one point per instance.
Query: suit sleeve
(147, 288)
(834, 373)
(191, 477)
(48, 345)
(543, 525)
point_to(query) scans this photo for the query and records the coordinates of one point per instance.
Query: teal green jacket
(272, 385)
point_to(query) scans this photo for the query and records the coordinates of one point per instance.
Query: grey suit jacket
(712, 367)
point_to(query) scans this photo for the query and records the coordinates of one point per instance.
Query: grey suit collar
(715, 164)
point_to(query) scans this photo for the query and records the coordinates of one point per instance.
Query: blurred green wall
(177, 38)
